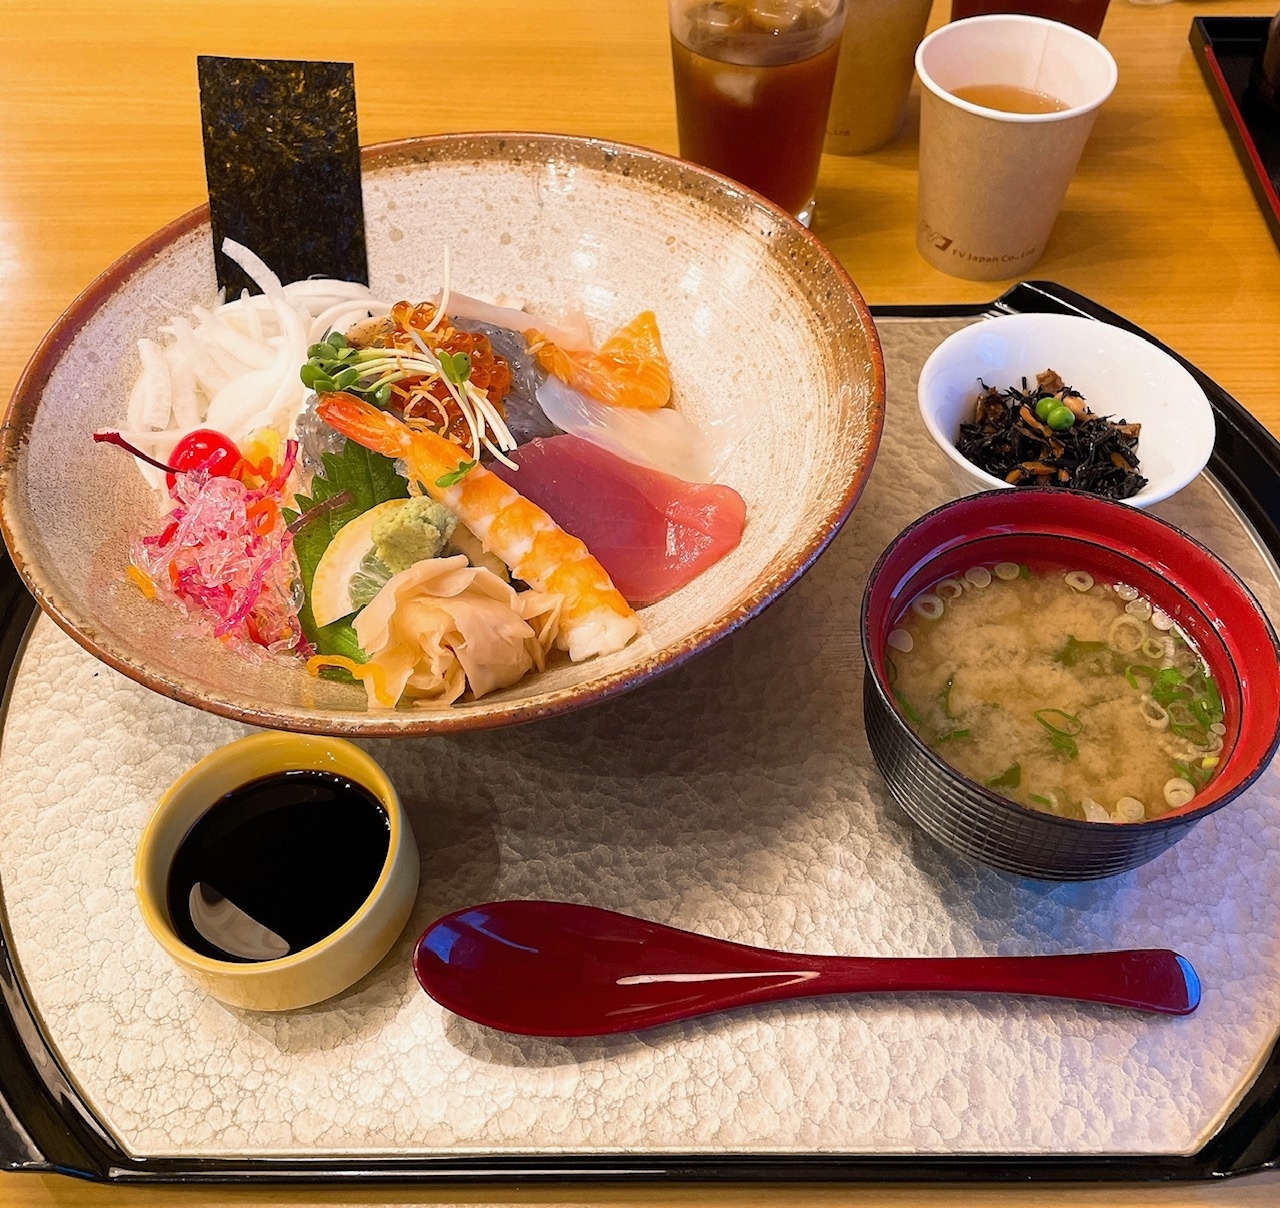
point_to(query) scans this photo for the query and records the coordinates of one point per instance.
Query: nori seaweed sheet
(282, 160)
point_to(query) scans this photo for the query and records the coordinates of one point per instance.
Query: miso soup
(1065, 694)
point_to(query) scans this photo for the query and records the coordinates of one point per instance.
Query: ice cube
(738, 84)
(779, 16)
(716, 19)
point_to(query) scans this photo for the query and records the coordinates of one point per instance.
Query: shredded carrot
(361, 671)
(263, 514)
(141, 581)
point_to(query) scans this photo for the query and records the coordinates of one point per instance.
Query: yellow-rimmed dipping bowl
(339, 959)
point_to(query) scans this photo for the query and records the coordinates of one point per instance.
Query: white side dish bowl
(1121, 376)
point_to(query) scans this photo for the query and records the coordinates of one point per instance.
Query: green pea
(1046, 405)
(1060, 418)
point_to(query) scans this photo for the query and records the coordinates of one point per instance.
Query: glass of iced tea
(753, 84)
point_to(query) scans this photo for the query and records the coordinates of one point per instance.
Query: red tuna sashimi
(650, 531)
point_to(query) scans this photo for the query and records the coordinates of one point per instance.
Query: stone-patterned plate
(756, 315)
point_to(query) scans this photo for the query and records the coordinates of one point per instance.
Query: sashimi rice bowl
(593, 411)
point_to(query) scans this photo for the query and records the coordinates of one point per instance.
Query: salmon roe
(489, 371)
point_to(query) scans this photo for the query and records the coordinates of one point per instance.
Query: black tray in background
(45, 1125)
(1226, 49)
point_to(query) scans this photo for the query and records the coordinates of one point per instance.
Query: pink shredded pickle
(211, 561)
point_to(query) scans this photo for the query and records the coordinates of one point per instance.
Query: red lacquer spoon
(555, 969)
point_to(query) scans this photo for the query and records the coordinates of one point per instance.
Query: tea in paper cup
(1006, 109)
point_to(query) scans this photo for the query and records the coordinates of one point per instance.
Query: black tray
(1227, 48)
(46, 1126)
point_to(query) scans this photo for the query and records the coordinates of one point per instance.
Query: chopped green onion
(911, 712)
(1074, 650)
(1197, 775)
(1058, 722)
(1011, 777)
(1180, 714)
(1137, 669)
(1169, 685)
(949, 735)
(1066, 744)
(944, 697)
(1040, 800)
(1192, 734)
(1203, 712)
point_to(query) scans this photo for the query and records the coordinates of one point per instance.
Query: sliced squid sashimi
(663, 439)
(653, 533)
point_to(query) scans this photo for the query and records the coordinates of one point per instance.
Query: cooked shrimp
(630, 370)
(595, 619)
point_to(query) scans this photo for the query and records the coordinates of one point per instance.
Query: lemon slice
(340, 563)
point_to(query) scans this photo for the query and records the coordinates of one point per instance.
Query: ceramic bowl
(1120, 375)
(325, 968)
(756, 316)
(1115, 544)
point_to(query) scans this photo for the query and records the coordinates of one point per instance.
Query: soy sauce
(276, 865)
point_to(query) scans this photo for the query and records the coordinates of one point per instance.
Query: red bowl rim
(1132, 536)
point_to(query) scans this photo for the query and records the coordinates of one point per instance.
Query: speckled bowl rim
(21, 410)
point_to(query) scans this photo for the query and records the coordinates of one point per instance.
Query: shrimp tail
(366, 424)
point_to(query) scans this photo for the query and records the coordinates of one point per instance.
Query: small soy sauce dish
(278, 870)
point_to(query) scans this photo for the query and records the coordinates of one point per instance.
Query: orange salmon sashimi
(630, 370)
(595, 618)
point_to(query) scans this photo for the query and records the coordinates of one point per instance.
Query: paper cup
(874, 74)
(991, 182)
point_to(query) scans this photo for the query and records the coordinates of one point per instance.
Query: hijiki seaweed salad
(1046, 435)
(428, 497)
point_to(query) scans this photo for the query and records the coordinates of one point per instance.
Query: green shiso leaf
(370, 479)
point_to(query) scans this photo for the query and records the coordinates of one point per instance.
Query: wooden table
(100, 145)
